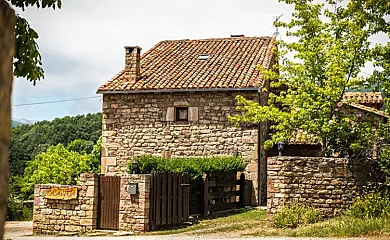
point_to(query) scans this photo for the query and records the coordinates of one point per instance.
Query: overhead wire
(55, 101)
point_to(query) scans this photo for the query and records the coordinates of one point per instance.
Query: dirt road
(23, 231)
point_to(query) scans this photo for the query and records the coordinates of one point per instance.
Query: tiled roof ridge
(218, 39)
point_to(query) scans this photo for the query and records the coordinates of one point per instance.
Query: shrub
(295, 215)
(371, 205)
(195, 167)
(17, 211)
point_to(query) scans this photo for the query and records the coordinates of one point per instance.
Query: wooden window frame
(177, 114)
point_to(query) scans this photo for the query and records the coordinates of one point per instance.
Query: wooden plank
(223, 206)
(242, 190)
(205, 191)
(174, 200)
(223, 183)
(217, 195)
(152, 207)
(117, 201)
(195, 197)
(164, 199)
(180, 200)
(248, 192)
(186, 198)
(169, 199)
(158, 200)
(196, 209)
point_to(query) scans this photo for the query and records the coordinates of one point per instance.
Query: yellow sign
(62, 193)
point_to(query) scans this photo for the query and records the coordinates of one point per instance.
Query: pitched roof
(363, 97)
(174, 65)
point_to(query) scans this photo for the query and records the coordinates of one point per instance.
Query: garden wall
(77, 215)
(328, 184)
(134, 209)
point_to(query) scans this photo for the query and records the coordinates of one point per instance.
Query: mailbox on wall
(132, 188)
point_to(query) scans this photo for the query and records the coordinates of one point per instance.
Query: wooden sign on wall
(62, 193)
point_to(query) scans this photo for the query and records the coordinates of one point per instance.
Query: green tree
(59, 165)
(331, 44)
(27, 141)
(28, 62)
(80, 146)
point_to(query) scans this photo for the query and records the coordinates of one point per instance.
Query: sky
(82, 44)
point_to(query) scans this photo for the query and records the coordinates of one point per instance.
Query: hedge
(195, 167)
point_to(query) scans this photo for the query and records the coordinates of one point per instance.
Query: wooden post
(7, 51)
(186, 198)
(205, 191)
(242, 190)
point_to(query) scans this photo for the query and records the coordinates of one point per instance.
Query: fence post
(205, 190)
(242, 190)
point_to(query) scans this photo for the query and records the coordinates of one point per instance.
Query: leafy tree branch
(27, 61)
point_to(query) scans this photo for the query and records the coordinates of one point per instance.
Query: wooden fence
(211, 194)
(174, 197)
(169, 199)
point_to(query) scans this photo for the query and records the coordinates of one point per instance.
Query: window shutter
(192, 114)
(170, 114)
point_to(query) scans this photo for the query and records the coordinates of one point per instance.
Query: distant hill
(19, 121)
(16, 123)
(24, 121)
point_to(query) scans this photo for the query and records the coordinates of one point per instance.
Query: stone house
(174, 100)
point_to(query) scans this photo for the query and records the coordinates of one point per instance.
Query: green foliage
(95, 156)
(17, 211)
(28, 62)
(371, 205)
(343, 226)
(195, 167)
(80, 146)
(58, 165)
(383, 149)
(349, 136)
(27, 57)
(27, 141)
(332, 43)
(294, 215)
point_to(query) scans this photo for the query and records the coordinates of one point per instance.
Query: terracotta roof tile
(174, 65)
(363, 97)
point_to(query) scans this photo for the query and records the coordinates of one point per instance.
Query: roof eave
(180, 90)
(373, 111)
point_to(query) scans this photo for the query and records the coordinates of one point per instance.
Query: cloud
(82, 43)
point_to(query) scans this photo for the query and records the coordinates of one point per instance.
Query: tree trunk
(7, 48)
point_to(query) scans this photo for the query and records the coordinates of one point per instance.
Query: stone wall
(327, 184)
(136, 124)
(134, 209)
(76, 215)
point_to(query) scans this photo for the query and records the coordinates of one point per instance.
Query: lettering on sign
(61, 193)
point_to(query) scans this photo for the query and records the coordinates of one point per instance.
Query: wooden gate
(109, 195)
(169, 200)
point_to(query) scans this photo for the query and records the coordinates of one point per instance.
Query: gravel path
(23, 231)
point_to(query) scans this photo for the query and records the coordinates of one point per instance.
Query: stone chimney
(132, 63)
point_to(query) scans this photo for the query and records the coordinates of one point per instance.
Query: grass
(238, 220)
(335, 227)
(254, 223)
